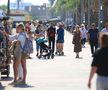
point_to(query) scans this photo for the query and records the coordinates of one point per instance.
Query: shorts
(24, 56)
(60, 41)
(17, 53)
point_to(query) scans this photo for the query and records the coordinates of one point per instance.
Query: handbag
(15, 51)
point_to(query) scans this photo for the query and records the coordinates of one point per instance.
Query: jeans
(102, 83)
(93, 46)
(83, 41)
(52, 44)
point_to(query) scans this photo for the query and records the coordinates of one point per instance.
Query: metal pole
(89, 13)
(100, 14)
(8, 7)
(18, 4)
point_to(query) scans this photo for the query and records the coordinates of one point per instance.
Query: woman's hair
(21, 26)
(104, 39)
(77, 27)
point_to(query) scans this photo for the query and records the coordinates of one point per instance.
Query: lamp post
(100, 14)
(89, 7)
(8, 7)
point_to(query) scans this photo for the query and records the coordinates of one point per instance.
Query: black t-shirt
(100, 60)
(93, 34)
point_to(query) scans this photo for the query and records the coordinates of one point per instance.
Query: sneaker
(19, 79)
(77, 56)
(29, 57)
(22, 82)
(14, 83)
(55, 52)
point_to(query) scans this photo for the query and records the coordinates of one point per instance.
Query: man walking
(93, 35)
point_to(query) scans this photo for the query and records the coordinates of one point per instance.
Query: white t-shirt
(83, 33)
(104, 30)
(22, 39)
(19, 37)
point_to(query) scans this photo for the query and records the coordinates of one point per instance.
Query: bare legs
(15, 69)
(23, 62)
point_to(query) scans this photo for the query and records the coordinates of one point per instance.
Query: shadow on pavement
(2, 87)
(6, 79)
(23, 86)
(42, 58)
(79, 58)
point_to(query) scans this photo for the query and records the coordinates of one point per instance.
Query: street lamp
(100, 14)
(8, 7)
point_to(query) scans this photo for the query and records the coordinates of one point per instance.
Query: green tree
(66, 4)
(3, 7)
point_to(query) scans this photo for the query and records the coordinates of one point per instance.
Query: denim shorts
(60, 41)
(102, 83)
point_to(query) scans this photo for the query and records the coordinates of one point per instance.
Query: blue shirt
(60, 34)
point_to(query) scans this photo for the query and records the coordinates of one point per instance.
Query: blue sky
(34, 2)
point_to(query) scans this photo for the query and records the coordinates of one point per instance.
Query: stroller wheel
(52, 56)
(55, 52)
(48, 56)
(44, 57)
(39, 56)
(59, 53)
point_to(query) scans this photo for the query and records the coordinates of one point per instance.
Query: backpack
(28, 46)
(51, 32)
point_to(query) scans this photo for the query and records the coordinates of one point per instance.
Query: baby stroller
(45, 51)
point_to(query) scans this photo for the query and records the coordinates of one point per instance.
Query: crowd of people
(54, 33)
(98, 41)
(32, 31)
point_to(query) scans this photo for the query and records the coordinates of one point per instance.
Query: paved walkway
(61, 73)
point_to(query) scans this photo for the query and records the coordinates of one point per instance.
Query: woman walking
(77, 40)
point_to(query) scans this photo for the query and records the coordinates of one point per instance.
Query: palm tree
(71, 6)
